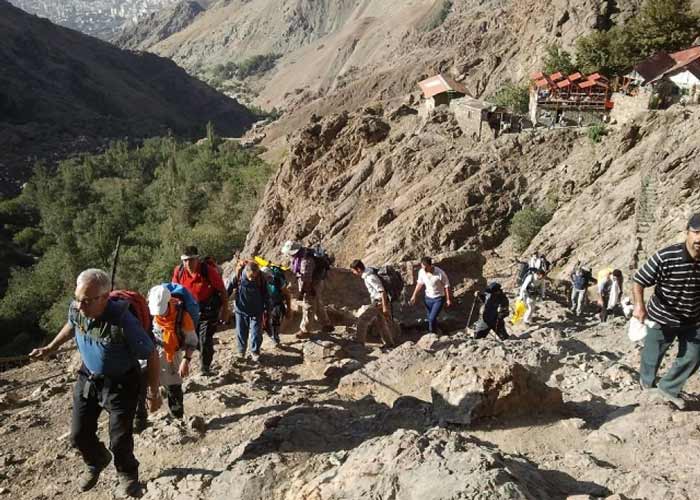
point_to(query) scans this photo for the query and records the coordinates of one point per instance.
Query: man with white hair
(111, 341)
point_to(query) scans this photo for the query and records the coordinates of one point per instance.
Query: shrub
(515, 97)
(526, 224)
(596, 132)
(557, 59)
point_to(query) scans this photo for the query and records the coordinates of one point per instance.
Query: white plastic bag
(637, 330)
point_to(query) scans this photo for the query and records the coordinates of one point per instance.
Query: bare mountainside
(373, 49)
(62, 92)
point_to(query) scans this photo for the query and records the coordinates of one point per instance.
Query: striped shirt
(676, 277)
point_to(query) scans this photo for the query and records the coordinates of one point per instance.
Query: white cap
(158, 299)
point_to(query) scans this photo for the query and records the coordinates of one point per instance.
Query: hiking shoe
(140, 424)
(676, 401)
(302, 335)
(240, 355)
(128, 486)
(88, 479)
(328, 329)
(255, 357)
(643, 386)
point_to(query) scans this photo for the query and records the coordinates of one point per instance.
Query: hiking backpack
(138, 306)
(391, 280)
(523, 271)
(311, 264)
(189, 302)
(275, 284)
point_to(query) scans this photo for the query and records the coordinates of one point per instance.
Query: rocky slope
(279, 430)
(62, 92)
(158, 26)
(386, 186)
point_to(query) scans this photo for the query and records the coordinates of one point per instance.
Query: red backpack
(137, 305)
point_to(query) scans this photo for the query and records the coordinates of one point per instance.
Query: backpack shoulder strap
(180, 271)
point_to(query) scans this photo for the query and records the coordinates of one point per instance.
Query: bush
(526, 224)
(557, 59)
(515, 97)
(596, 132)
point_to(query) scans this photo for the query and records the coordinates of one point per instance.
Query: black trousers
(482, 329)
(205, 332)
(119, 397)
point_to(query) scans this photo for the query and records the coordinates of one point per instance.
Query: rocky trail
(553, 413)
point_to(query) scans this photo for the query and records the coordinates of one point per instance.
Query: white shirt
(435, 282)
(374, 285)
(531, 280)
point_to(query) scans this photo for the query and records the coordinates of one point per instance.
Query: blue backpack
(191, 305)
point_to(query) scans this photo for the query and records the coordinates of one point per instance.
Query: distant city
(100, 18)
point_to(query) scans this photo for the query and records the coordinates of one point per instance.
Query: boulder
(462, 394)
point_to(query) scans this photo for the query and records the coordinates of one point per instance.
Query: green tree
(558, 59)
(664, 25)
(515, 97)
(526, 224)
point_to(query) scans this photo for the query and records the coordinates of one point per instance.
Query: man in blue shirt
(110, 340)
(250, 298)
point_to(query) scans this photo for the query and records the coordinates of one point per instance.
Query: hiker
(250, 298)
(110, 340)
(202, 279)
(311, 269)
(279, 304)
(539, 262)
(437, 291)
(581, 279)
(533, 285)
(674, 272)
(379, 313)
(495, 312)
(610, 294)
(175, 334)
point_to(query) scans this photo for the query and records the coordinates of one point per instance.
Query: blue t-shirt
(112, 344)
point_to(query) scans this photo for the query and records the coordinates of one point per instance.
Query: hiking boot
(643, 386)
(88, 479)
(240, 355)
(328, 329)
(676, 401)
(140, 424)
(255, 357)
(128, 486)
(302, 335)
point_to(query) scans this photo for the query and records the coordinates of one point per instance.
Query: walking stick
(471, 313)
(115, 260)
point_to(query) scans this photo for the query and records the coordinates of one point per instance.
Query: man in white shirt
(533, 283)
(379, 312)
(437, 291)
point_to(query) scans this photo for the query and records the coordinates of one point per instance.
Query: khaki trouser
(313, 309)
(388, 329)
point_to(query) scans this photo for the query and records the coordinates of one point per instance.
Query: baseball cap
(694, 222)
(158, 298)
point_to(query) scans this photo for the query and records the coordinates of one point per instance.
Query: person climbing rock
(279, 299)
(251, 302)
(311, 268)
(379, 313)
(674, 272)
(438, 293)
(580, 281)
(610, 295)
(110, 340)
(176, 339)
(203, 281)
(494, 314)
(533, 287)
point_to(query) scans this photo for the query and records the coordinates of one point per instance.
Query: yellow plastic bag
(518, 313)
(265, 263)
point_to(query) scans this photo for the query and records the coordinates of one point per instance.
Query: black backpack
(391, 280)
(523, 271)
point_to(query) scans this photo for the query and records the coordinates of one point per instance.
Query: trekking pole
(471, 313)
(115, 260)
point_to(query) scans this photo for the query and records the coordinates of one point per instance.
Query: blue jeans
(433, 307)
(246, 325)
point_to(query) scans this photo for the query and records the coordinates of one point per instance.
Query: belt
(93, 382)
